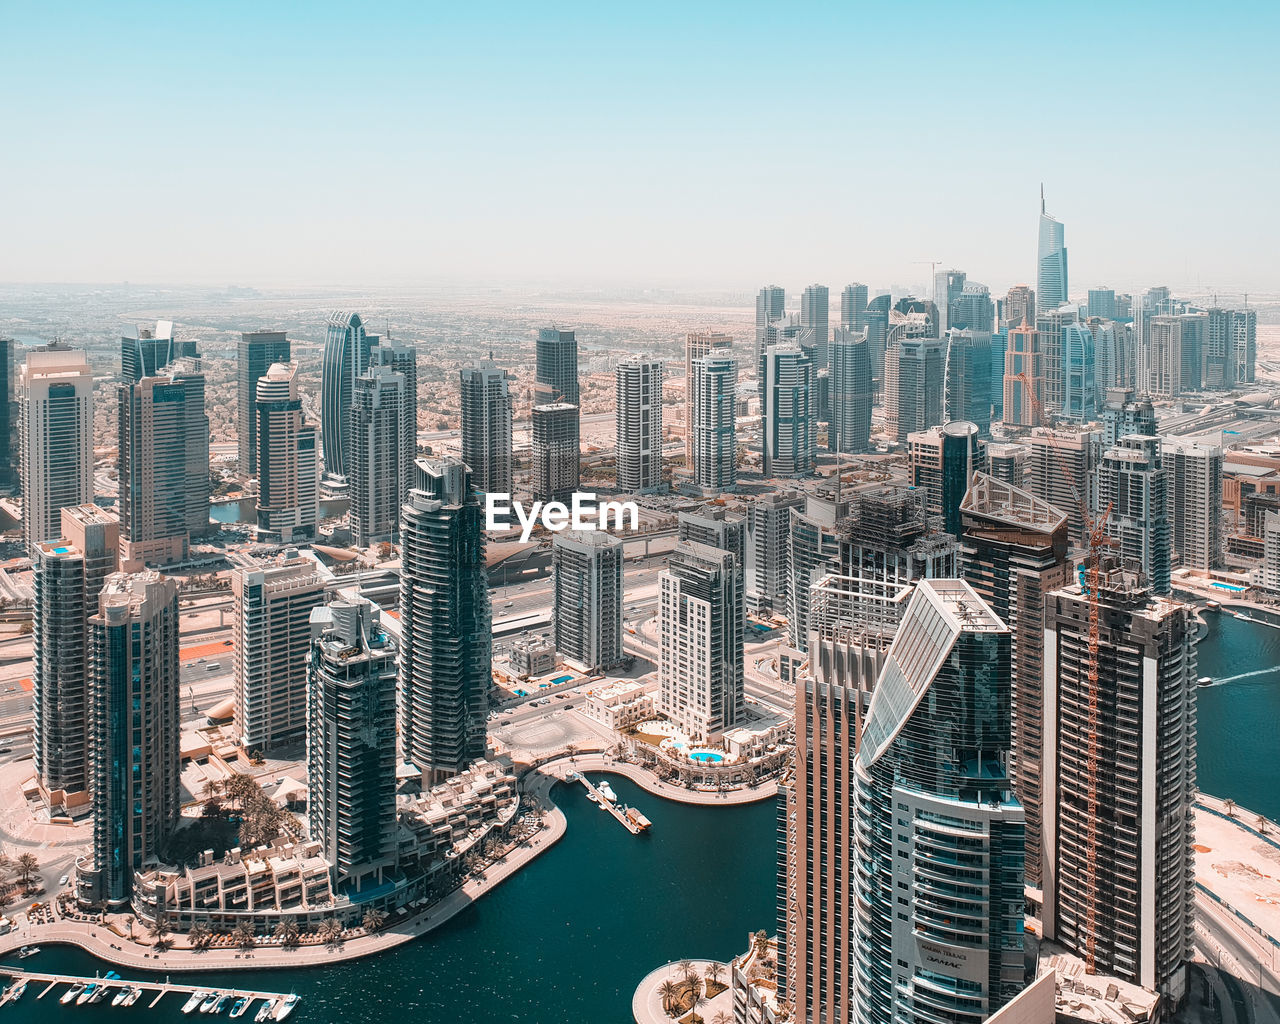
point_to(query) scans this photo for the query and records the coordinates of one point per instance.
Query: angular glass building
(346, 356)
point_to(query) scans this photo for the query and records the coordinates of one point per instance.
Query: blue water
(561, 679)
(1228, 586)
(706, 755)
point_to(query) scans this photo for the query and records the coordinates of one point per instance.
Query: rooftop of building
(1002, 503)
(1094, 997)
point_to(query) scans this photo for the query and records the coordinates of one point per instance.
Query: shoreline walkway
(645, 779)
(646, 1004)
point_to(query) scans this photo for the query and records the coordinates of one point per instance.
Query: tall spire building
(1051, 272)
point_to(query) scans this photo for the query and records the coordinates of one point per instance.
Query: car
(64, 879)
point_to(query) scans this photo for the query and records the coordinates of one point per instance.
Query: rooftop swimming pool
(1228, 586)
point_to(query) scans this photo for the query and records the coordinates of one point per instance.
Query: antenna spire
(1042, 197)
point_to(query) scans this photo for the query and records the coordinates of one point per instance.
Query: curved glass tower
(346, 356)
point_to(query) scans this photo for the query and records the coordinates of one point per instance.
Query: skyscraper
(921, 384)
(717, 527)
(1134, 483)
(1123, 414)
(715, 426)
(257, 353)
(700, 670)
(1195, 501)
(972, 309)
(1079, 382)
(1102, 303)
(68, 575)
(813, 551)
(943, 461)
(852, 392)
(639, 427)
(163, 466)
(1052, 326)
(446, 643)
(790, 413)
(768, 544)
(134, 733)
(403, 359)
(380, 461)
(815, 317)
(556, 452)
(486, 426)
(853, 304)
(771, 304)
(288, 463)
(1231, 337)
(346, 356)
(587, 598)
(55, 420)
(1051, 263)
(1121, 843)
(876, 320)
(1174, 352)
(1014, 552)
(351, 739)
(8, 415)
(1061, 470)
(948, 285)
(697, 345)
(556, 369)
(146, 351)
(271, 605)
(968, 377)
(939, 835)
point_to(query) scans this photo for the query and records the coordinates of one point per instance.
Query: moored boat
(239, 1006)
(287, 1006)
(194, 1002)
(70, 995)
(264, 1011)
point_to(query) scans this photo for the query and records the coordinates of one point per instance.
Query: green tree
(244, 935)
(28, 865)
(374, 919)
(288, 932)
(200, 935)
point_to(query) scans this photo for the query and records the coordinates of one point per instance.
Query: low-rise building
(753, 980)
(533, 656)
(622, 704)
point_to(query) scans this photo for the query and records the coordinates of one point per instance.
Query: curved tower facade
(346, 356)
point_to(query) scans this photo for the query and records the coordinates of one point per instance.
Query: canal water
(570, 936)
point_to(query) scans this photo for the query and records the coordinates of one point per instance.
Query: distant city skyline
(588, 146)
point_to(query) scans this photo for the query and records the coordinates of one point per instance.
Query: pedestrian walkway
(650, 783)
(646, 1004)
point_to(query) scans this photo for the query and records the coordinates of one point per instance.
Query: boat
(607, 792)
(210, 1001)
(194, 1002)
(223, 1003)
(119, 998)
(264, 1011)
(27, 951)
(17, 992)
(70, 994)
(1213, 606)
(134, 995)
(239, 1006)
(637, 819)
(287, 1006)
(87, 994)
(99, 993)
(1204, 680)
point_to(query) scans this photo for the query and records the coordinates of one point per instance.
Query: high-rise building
(939, 836)
(146, 351)
(1195, 501)
(790, 413)
(972, 309)
(815, 317)
(257, 353)
(55, 423)
(1116, 364)
(1271, 551)
(1118, 792)
(875, 318)
(486, 426)
(1052, 325)
(1019, 307)
(1023, 377)
(556, 369)
(1102, 303)
(68, 576)
(768, 548)
(446, 643)
(1133, 482)
(1123, 414)
(134, 730)
(403, 359)
(587, 599)
(8, 415)
(715, 425)
(921, 384)
(556, 452)
(271, 605)
(1051, 274)
(968, 377)
(1014, 552)
(1008, 462)
(1061, 470)
(351, 740)
(163, 466)
(639, 427)
(346, 357)
(943, 461)
(380, 461)
(700, 671)
(288, 463)
(813, 551)
(853, 304)
(1231, 338)
(1175, 348)
(771, 305)
(948, 286)
(852, 392)
(698, 345)
(1079, 382)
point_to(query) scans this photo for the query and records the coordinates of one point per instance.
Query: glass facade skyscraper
(1051, 265)
(346, 357)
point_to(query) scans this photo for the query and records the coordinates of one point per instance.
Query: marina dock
(160, 989)
(631, 819)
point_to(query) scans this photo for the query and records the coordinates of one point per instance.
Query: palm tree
(200, 935)
(287, 931)
(713, 972)
(667, 990)
(1230, 807)
(373, 919)
(331, 932)
(27, 866)
(159, 928)
(722, 1018)
(245, 938)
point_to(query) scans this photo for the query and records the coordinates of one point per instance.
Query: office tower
(403, 359)
(968, 377)
(972, 309)
(715, 424)
(1013, 553)
(55, 423)
(257, 353)
(698, 345)
(790, 415)
(1052, 325)
(875, 318)
(639, 427)
(1231, 337)
(921, 384)
(556, 452)
(1138, 809)
(8, 415)
(446, 642)
(586, 596)
(1019, 307)
(939, 833)
(813, 552)
(346, 357)
(1061, 470)
(700, 672)
(288, 464)
(1113, 353)
(1079, 385)
(943, 461)
(556, 369)
(1102, 303)
(146, 351)
(163, 466)
(853, 304)
(486, 426)
(999, 348)
(68, 574)
(852, 392)
(271, 605)
(768, 545)
(378, 462)
(1195, 501)
(920, 311)
(770, 307)
(134, 726)
(1134, 484)
(351, 739)
(948, 286)
(1174, 352)
(815, 316)
(1008, 462)
(1051, 275)
(1122, 415)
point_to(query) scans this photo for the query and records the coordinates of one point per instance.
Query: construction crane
(1095, 540)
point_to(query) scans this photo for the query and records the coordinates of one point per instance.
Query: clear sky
(685, 144)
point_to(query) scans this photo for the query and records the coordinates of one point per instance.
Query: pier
(159, 988)
(635, 827)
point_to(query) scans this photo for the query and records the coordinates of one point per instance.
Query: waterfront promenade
(646, 1004)
(646, 780)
